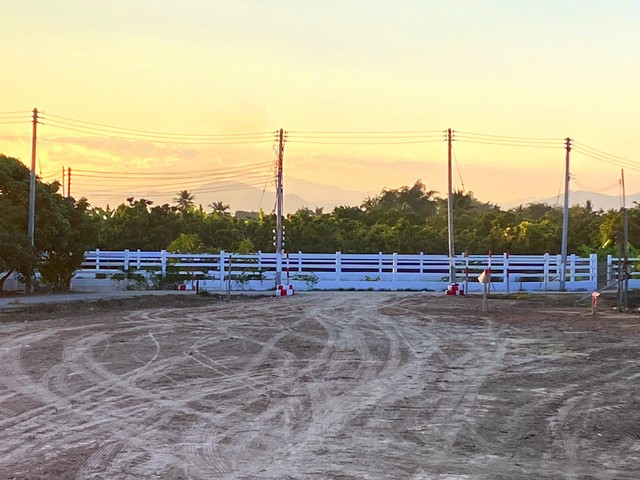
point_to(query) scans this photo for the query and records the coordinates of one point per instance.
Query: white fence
(616, 267)
(337, 271)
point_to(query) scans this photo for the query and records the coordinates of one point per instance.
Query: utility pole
(68, 182)
(279, 202)
(625, 247)
(32, 181)
(565, 216)
(452, 248)
(63, 181)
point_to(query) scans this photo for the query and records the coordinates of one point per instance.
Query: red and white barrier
(455, 289)
(284, 290)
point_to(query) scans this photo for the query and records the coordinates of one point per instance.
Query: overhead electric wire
(367, 143)
(369, 132)
(188, 183)
(455, 159)
(155, 133)
(606, 157)
(22, 112)
(509, 144)
(242, 168)
(361, 137)
(185, 137)
(507, 137)
(156, 191)
(591, 189)
(229, 141)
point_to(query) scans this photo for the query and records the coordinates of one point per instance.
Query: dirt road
(325, 385)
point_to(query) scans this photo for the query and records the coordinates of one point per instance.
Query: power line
(369, 132)
(152, 132)
(367, 143)
(241, 168)
(23, 112)
(221, 141)
(509, 144)
(606, 157)
(366, 137)
(592, 189)
(459, 133)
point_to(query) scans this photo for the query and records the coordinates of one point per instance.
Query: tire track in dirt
(312, 386)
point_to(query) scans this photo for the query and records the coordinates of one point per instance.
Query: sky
(490, 70)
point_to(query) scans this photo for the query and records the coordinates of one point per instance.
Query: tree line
(409, 219)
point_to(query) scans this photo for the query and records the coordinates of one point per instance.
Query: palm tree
(219, 207)
(184, 200)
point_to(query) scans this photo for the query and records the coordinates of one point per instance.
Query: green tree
(187, 243)
(219, 207)
(184, 200)
(63, 228)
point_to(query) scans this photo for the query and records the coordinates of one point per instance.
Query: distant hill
(239, 196)
(579, 197)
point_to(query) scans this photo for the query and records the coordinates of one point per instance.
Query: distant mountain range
(598, 200)
(239, 196)
(303, 193)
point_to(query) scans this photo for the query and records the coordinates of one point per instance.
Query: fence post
(338, 266)
(505, 272)
(593, 269)
(138, 260)
(394, 270)
(163, 261)
(546, 271)
(97, 259)
(421, 263)
(609, 269)
(126, 259)
(572, 270)
(221, 270)
(380, 263)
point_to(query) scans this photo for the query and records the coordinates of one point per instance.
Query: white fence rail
(616, 268)
(341, 270)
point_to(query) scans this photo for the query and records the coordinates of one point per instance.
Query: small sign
(485, 277)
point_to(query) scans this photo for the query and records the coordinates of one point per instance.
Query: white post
(505, 272)
(338, 266)
(221, 270)
(380, 264)
(97, 259)
(138, 260)
(299, 261)
(572, 268)
(394, 270)
(126, 259)
(163, 261)
(278, 269)
(546, 271)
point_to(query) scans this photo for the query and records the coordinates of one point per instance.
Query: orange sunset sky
(539, 69)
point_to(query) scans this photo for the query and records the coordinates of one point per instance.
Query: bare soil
(344, 385)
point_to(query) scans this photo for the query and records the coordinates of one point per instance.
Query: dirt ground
(337, 385)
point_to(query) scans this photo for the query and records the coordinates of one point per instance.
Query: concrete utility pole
(32, 181)
(279, 205)
(452, 248)
(625, 248)
(565, 216)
